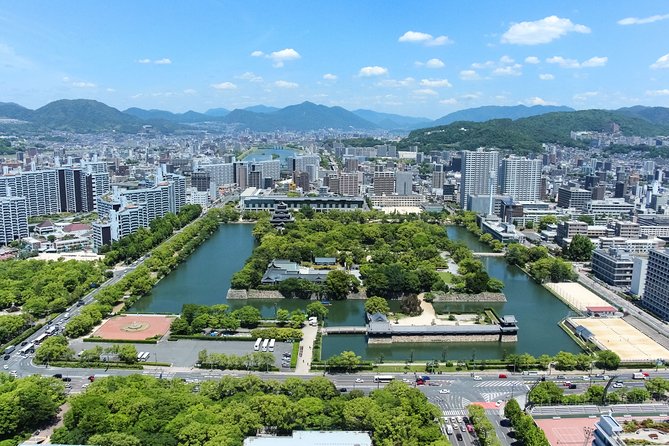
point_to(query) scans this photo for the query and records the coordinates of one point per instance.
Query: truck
(638, 375)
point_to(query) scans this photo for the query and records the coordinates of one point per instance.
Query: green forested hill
(527, 134)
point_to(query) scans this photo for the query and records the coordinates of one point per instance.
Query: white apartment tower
(13, 218)
(520, 178)
(475, 173)
(656, 292)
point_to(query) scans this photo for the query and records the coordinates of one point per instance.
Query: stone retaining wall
(253, 294)
(464, 297)
(443, 338)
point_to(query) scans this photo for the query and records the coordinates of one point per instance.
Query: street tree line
(524, 426)
(565, 361)
(224, 412)
(549, 392)
(253, 361)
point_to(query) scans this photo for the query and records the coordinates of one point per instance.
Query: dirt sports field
(134, 327)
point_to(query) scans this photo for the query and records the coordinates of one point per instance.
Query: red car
(91, 378)
(502, 375)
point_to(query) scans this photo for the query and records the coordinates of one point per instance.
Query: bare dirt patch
(134, 327)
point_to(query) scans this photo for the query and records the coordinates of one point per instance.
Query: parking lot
(184, 352)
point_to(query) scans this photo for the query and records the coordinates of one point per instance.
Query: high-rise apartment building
(39, 187)
(221, 174)
(520, 178)
(438, 176)
(13, 218)
(656, 292)
(349, 184)
(384, 183)
(478, 170)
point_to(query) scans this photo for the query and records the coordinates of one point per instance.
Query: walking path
(305, 354)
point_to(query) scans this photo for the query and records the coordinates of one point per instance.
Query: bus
(256, 347)
(383, 378)
(40, 338)
(9, 349)
(271, 345)
(30, 348)
(264, 345)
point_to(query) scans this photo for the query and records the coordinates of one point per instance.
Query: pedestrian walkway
(306, 350)
(500, 383)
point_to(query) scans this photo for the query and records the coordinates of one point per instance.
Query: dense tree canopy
(142, 410)
(579, 249)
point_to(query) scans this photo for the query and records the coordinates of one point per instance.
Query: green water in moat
(205, 279)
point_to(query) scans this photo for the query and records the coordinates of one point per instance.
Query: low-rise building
(257, 200)
(279, 270)
(313, 438)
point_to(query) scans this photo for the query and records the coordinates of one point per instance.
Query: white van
(449, 429)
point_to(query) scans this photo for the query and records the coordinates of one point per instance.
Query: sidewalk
(306, 350)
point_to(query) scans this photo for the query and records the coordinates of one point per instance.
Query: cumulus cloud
(190, 91)
(435, 83)
(372, 71)
(532, 60)
(469, 75)
(546, 77)
(662, 62)
(434, 63)
(330, 77)
(510, 70)
(424, 38)
(282, 56)
(224, 86)
(582, 97)
(573, 63)
(537, 101)
(285, 84)
(663, 92)
(144, 61)
(642, 21)
(426, 92)
(10, 59)
(396, 83)
(257, 53)
(541, 31)
(250, 76)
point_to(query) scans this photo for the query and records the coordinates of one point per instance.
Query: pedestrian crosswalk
(159, 374)
(500, 383)
(455, 413)
(493, 396)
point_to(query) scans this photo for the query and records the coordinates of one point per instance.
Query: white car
(444, 391)
(586, 378)
(618, 385)
(606, 377)
(5, 366)
(498, 403)
(477, 378)
(359, 380)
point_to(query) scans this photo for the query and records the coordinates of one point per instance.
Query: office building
(520, 178)
(201, 181)
(384, 183)
(612, 207)
(573, 197)
(13, 218)
(627, 229)
(478, 172)
(438, 176)
(613, 266)
(404, 183)
(639, 270)
(656, 293)
(349, 184)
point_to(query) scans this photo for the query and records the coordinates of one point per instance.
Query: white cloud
(9, 58)
(537, 101)
(424, 38)
(573, 63)
(663, 92)
(257, 53)
(426, 92)
(224, 86)
(249, 76)
(595, 62)
(662, 62)
(144, 61)
(111, 90)
(546, 77)
(469, 75)
(372, 71)
(190, 91)
(435, 83)
(330, 77)
(471, 96)
(541, 31)
(434, 63)
(582, 97)
(282, 56)
(511, 70)
(163, 61)
(483, 65)
(506, 60)
(396, 83)
(642, 21)
(449, 101)
(84, 84)
(532, 60)
(286, 84)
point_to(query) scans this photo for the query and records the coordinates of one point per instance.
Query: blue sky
(424, 58)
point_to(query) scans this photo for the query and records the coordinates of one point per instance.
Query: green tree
(565, 361)
(247, 315)
(657, 387)
(637, 395)
(282, 316)
(495, 285)
(114, 439)
(297, 319)
(52, 349)
(476, 283)
(411, 305)
(376, 304)
(517, 254)
(547, 220)
(318, 310)
(179, 326)
(512, 411)
(546, 392)
(338, 284)
(608, 360)
(346, 360)
(580, 248)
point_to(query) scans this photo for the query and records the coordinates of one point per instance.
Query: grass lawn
(446, 276)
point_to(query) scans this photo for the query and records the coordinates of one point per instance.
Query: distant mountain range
(86, 116)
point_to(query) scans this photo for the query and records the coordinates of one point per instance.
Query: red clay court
(134, 327)
(566, 431)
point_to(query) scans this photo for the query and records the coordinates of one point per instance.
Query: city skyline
(420, 61)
